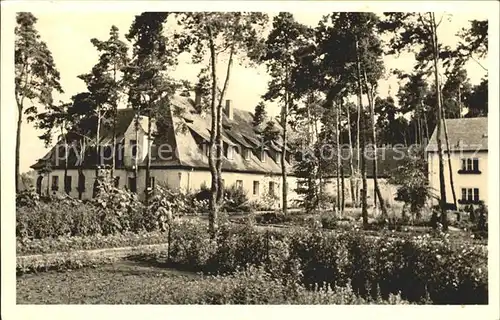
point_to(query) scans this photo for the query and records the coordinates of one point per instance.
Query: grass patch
(127, 283)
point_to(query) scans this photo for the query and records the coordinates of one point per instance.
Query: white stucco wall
(187, 180)
(460, 181)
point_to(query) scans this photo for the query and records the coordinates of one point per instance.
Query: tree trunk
(442, 185)
(98, 156)
(115, 114)
(213, 205)
(136, 158)
(218, 137)
(320, 166)
(337, 138)
(351, 167)
(459, 102)
(361, 131)
(66, 186)
(18, 145)
(378, 194)
(314, 177)
(450, 170)
(81, 185)
(426, 130)
(148, 164)
(284, 120)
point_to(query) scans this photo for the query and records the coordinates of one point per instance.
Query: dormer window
(263, 155)
(228, 151)
(204, 148)
(247, 153)
(277, 157)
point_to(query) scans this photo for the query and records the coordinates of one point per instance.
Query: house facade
(468, 143)
(179, 155)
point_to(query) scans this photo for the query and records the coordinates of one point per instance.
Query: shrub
(235, 200)
(251, 286)
(417, 267)
(27, 198)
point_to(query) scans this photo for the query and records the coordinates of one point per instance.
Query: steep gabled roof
(465, 134)
(237, 131)
(183, 135)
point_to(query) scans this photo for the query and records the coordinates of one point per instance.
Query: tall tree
(473, 44)
(216, 33)
(154, 54)
(112, 60)
(286, 37)
(391, 123)
(259, 114)
(477, 100)
(97, 85)
(36, 76)
(420, 30)
(356, 34)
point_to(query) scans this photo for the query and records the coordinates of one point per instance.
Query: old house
(468, 143)
(178, 153)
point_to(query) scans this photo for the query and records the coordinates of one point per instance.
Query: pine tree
(260, 114)
(36, 76)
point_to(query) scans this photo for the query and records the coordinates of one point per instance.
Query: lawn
(125, 282)
(146, 282)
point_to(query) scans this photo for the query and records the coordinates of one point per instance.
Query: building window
(239, 184)
(263, 155)
(248, 153)
(470, 165)
(205, 149)
(133, 146)
(470, 195)
(117, 182)
(55, 183)
(476, 195)
(277, 157)
(256, 188)
(132, 185)
(271, 188)
(67, 183)
(228, 151)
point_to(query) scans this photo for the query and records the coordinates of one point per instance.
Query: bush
(418, 267)
(27, 198)
(250, 287)
(236, 200)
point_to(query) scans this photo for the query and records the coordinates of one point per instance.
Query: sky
(68, 35)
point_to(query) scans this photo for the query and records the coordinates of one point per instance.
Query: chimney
(229, 110)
